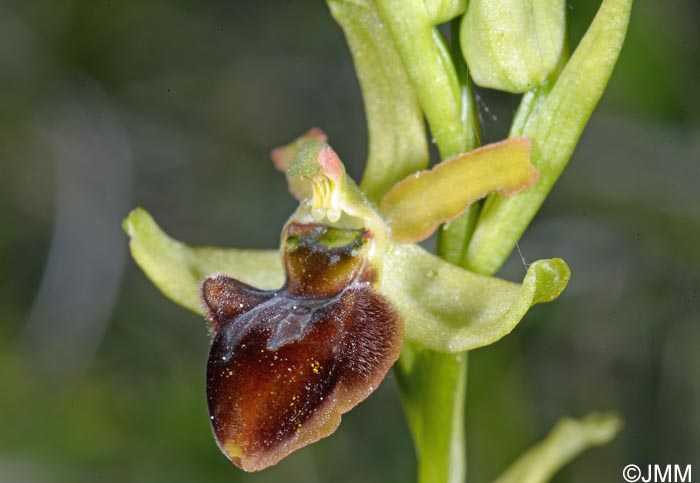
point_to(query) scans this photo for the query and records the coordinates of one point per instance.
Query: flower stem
(433, 390)
(433, 385)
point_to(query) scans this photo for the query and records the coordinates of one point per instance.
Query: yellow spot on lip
(233, 451)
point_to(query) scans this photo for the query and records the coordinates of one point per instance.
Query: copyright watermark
(658, 473)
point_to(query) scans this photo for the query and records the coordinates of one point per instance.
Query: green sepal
(397, 140)
(178, 269)
(567, 440)
(449, 309)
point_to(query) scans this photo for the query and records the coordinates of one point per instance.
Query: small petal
(417, 205)
(178, 269)
(449, 309)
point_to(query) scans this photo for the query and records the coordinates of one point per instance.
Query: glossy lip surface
(284, 365)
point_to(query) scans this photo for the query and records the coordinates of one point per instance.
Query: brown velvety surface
(284, 365)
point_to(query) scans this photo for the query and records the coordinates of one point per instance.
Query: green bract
(178, 269)
(513, 45)
(424, 53)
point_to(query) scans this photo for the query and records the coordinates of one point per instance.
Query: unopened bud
(513, 45)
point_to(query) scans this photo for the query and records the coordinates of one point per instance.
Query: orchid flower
(302, 335)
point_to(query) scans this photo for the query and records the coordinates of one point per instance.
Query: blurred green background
(174, 105)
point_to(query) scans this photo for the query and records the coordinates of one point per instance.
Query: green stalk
(433, 385)
(433, 391)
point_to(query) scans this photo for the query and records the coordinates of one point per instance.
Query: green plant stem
(433, 391)
(433, 385)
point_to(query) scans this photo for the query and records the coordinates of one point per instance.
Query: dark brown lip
(285, 364)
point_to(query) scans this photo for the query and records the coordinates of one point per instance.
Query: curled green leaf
(567, 440)
(178, 270)
(397, 141)
(553, 121)
(449, 309)
(417, 205)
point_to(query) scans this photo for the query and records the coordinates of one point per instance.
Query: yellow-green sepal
(449, 309)
(178, 269)
(396, 130)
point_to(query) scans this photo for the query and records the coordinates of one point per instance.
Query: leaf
(449, 309)
(417, 205)
(397, 141)
(567, 440)
(554, 125)
(178, 270)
